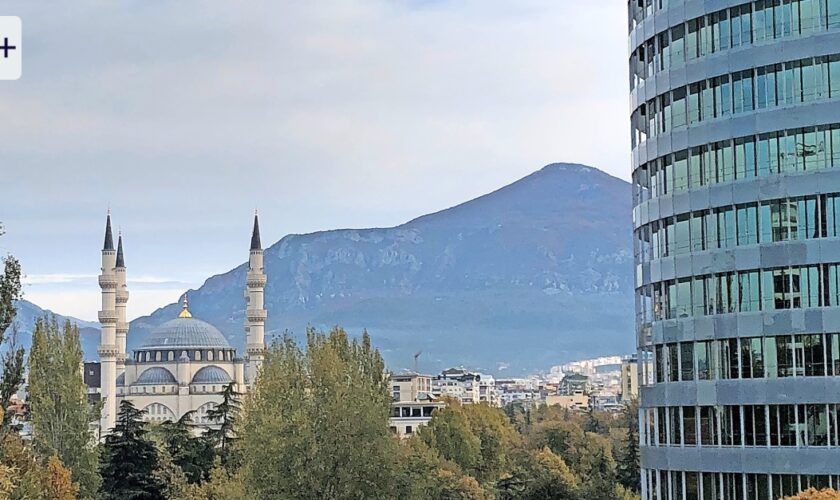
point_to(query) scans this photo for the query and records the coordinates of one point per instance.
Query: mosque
(185, 363)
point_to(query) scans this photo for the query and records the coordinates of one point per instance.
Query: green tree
(316, 424)
(224, 415)
(422, 473)
(222, 485)
(58, 402)
(129, 459)
(496, 436)
(193, 455)
(597, 469)
(12, 360)
(628, 468)
(551, 478)
(449, 434)
(12, 375)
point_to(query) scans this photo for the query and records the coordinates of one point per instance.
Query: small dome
(185, 332)
(156, 376)
(121, 380)
(211, 375)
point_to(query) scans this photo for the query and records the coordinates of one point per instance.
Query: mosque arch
(158, 412)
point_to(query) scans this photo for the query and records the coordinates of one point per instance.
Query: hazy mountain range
(536, 273)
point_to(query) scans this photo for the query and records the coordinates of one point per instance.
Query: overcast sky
(184, 117)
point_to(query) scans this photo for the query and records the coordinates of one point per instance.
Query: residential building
(413, 402)
(91, 375)
(458, 383)
(575, 383)
(629, 389)
(735, 136)
(410, 386)
(578, 401)
(487, 391)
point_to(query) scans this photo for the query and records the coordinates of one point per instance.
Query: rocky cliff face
(533, 274)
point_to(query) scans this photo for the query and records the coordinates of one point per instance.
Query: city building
(735, 136)
(575, 383)
(92, 377)
(629, 389)
(410, 386)
(185, 363)
(459, 384)
(578, 401)
(488, 392)
(413, 402)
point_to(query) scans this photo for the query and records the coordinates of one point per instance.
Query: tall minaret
(255, 313)
(108, 349)
(122, 299)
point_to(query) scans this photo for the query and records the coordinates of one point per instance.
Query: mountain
(534, 274)
(27, 313)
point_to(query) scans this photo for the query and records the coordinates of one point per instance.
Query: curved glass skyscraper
(736, 172)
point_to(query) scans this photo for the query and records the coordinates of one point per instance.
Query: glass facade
(735, 136)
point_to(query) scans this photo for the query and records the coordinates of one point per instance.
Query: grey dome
(156, 376)
(211, 375)
(185, 333)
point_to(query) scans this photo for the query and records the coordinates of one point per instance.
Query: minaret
(255, 313)
(108, 349)
(122, 299)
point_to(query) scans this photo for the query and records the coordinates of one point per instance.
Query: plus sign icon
(11, 51)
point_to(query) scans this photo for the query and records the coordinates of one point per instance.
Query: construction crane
(416, 357)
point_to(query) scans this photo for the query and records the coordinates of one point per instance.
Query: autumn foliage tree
(58, 403)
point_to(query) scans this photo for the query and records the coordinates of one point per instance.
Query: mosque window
(198, 355)
(171, 356)
(209, 355)
(221, 355)
(157, 356)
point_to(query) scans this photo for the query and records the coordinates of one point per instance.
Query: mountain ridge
(464, 264)
(508, 282)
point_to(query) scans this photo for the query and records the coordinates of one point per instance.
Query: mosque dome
(156, 376)
(211, 375)
(185, 332)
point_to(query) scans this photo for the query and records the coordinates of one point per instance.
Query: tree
(58, 403)
(449, 434)
(192, 455)
(496, 436)
(60, 486)
(224, 415)
(24, 476)
(422, 473)
(129, 459)
(12, 360)
(12, 373)
(316, 424)
(222, 485)
(629, 468)
(551, 478)
(813, 494)
(9, 291)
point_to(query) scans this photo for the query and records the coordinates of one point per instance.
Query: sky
(184, 117)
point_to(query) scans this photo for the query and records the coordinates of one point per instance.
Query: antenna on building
(416, 357)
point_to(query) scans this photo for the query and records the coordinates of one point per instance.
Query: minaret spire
(109, 238)
(255, 234)
(120, 258)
